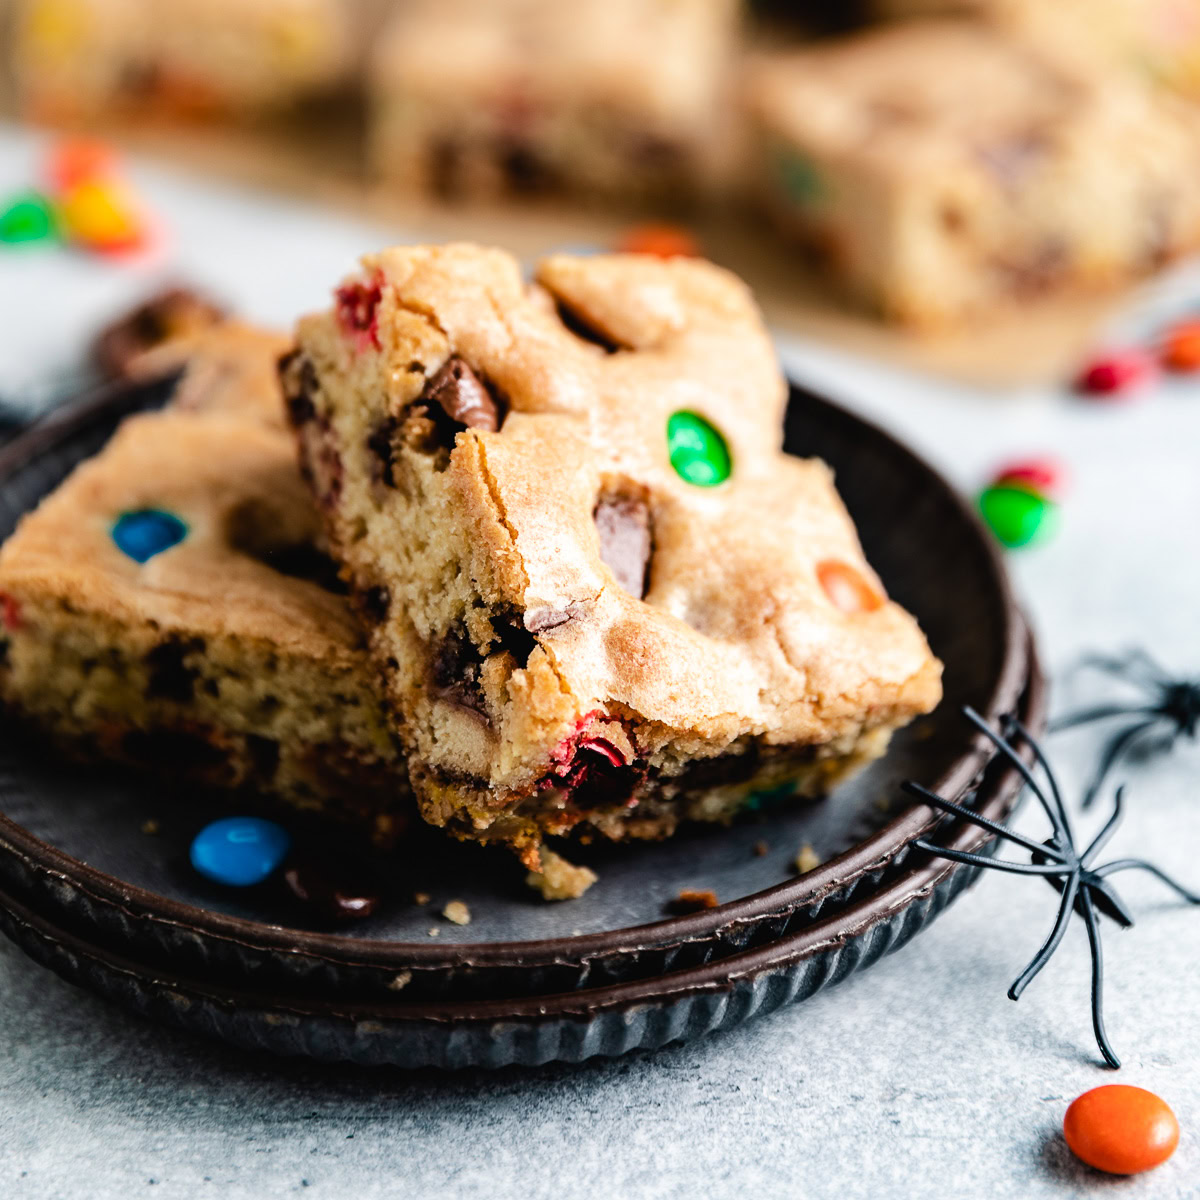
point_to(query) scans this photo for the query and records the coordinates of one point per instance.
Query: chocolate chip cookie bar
(74, 59)
(938, 169)
(604, 97)
(600, 596)
(168, 606)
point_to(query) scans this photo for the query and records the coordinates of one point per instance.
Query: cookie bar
(600, 595)
(1159, 39)
(605, 97)
(937, 168)
(167, 607)
(77, 58)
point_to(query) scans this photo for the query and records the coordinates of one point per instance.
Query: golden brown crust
(736, 641)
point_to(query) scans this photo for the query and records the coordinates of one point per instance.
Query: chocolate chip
(299, 380)
(173, 749)
(524, 170)
(303, 560)
(264, 755)
(169, 678)
(320, 886)
(380, 446)
(456, 669)
(462, 396)
(375, 603)
(172, 313)
(623, 526)
(514, 635)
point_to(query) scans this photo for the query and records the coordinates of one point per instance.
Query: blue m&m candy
(147, 532)
(240, 851)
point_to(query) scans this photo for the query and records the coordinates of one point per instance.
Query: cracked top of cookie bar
(206, 503)
(623, 390)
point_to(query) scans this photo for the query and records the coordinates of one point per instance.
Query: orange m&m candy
(846, 588)
(1120, 1129)
(1181, 347)
(662, 241)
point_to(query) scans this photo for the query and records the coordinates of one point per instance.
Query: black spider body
(1084, 887)
(1168, 705)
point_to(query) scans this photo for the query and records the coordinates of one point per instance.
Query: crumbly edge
(223, 711)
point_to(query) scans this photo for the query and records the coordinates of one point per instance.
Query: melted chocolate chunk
(171, 313)
(623, 526)
(264, 755)
(299, 379)
(331, 892)
(380, 446)
(169, 678)
(462, 396)
(456, 670)
(514, 636)
(172, 749)
(375, 604)
(304, 561)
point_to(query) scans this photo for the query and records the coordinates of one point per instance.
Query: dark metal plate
(530, 1030)
(72, 850)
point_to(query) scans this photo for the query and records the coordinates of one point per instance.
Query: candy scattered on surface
(77, 160)
(240, 851)
(102, 215)
(660, 240)
(697, 451)
(1181, 346)
(846, 588)
(1017, 516)
(28, 218)
(321, 889)
(1120, 374)
(1121, 1129)
(1045, 476)
(147, 532)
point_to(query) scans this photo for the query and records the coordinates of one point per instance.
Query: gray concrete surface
(918, 1079)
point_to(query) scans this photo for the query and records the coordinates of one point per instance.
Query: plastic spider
(1083, 886)
(1170, 705)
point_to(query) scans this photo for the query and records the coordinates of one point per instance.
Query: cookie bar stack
(170, 606)
(939, 170)
(598, 595)
(605, 97)
(76, 59)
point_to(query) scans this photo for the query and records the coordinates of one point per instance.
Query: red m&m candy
(1043, 475)
(1118, 374)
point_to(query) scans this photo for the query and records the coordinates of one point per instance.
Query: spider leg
(1093, 932)
(1110, 827)
(1057, 816)
(1134, 662)
(1116, 747)
(982, 860)
(1100, 713)
(1070, 891)
(915, 789)
(1063, 826)
(1136, 864)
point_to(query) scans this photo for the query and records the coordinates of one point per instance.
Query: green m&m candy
(28, 218)
(697, 450)
(1018, 516)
